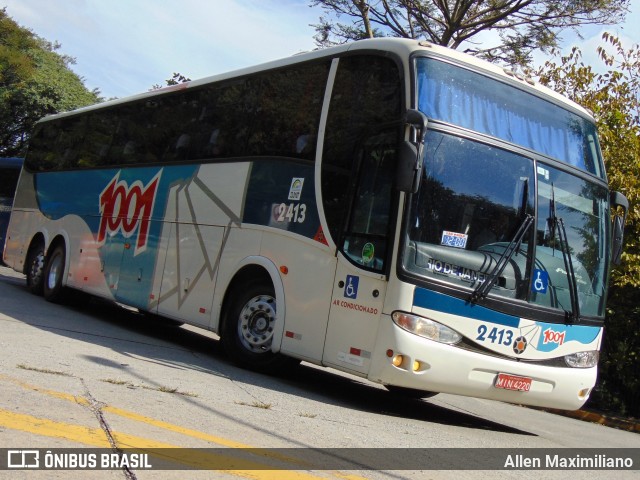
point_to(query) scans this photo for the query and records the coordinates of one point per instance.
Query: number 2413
(295, 213)
(503, 336)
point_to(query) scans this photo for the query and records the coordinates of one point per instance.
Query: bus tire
(409, 392)
(248, 328)
(35, 269)
(53, 274)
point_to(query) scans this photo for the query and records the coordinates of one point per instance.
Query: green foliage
(614, 99)
(618, 387)
(176, 79)
(35, 81)
(521, 26)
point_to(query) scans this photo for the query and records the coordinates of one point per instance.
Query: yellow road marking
(51, 393)
(176, 428)
(133, 416)
(49, 428)
(151, 421)
(192, 458)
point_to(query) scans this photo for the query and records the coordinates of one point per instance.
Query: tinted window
(269, 114)
(366, 94)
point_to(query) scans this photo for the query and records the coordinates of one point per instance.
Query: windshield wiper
(483, 289)
(558, 223)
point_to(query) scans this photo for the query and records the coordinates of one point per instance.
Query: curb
(599, 418)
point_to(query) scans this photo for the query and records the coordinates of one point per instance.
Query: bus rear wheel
(248, 329)
(35, 269)
(53, 273)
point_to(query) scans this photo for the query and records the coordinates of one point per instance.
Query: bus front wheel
(249, 322)
(53, 273)
(35, 269)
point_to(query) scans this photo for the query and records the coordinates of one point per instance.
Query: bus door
(360, 282)
(356, 305)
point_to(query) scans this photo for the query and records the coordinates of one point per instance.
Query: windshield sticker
(439, 266)
(578, 277)
(454, 239)
(543, 172)
(368, 252)
(540, 282)
(295, 191)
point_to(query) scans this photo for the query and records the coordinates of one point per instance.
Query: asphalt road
(89, 374)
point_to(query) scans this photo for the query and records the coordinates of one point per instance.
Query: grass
(118, 382)
(256, 404)
(44, 370)
(160, 388)
(307, 415)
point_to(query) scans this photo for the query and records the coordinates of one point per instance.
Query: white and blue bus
(388, 208)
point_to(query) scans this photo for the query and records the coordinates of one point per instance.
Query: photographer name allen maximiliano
(598, 461)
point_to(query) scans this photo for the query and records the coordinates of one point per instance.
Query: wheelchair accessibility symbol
(351, 286)
(540, 281)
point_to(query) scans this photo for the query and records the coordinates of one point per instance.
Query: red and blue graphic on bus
(123, 209)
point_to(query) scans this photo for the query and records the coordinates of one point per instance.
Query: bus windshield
(474, 198)
(461, 97)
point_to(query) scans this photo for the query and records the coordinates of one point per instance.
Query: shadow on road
(145, 338)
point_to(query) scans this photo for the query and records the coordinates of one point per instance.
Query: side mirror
(618, 200)
(409, 168)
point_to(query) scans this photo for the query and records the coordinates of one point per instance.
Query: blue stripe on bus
(424, 298)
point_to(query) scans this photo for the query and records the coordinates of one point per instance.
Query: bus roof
(402, 47)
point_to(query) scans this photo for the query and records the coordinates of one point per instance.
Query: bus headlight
(582, 359)
(426, 328)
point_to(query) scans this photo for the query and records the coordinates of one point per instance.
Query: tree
(522, 26)
(614, 99)
(176, 79)
(34, 81)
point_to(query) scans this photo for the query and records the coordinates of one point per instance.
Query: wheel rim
(37, 267)
(54, 272)
(256, 322)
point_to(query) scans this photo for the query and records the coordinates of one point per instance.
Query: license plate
(513, 382)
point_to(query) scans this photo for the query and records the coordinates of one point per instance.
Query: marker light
(425, 327)
(582, 359)
(584, 393)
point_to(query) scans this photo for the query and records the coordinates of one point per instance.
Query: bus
(9, 173)
(387, 208)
